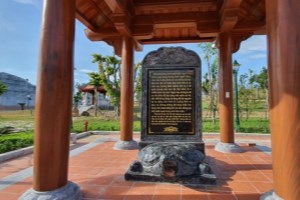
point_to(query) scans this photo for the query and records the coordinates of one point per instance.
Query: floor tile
(100, 171)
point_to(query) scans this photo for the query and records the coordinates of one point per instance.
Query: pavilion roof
(90, 89)
(170, 21)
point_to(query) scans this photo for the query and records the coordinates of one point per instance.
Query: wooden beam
(207, 29)
(228, 4)
(141, 32)
(101, 34)
(229, 15)
(176, 40)
(116, 6)
(121, 18)
(85, 21)
(116, 43)
(102, 9)
(250, 26)
(175, 18)
(137, 45)
(229, 19)
(146, 32)
(92, 6)
(122, 24)
(112, 37)
(150, 6)
(238, 38)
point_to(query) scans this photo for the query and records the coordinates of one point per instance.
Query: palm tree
(111, 82)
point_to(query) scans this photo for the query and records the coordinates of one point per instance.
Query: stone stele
(171, 146)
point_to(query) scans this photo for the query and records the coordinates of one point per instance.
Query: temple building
(88, 97)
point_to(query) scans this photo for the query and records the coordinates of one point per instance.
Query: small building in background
(20, 93)
(88, 96)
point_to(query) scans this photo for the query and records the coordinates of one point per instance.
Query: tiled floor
(99, 172)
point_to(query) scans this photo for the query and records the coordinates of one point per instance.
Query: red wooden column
(284, 85)
(53, 105)
(127, 84)
(226, 143)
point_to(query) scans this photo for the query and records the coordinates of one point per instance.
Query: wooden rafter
(143, 7)
(229, 14)
(85, 21)
(177, 40)
(170, 21)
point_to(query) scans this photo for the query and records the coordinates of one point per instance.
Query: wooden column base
(126, 145)
(71, 191)
(270, 195)
(228, 148)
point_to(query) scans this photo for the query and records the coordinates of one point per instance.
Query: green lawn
(95, 123)
(253, 125)
(23, 122)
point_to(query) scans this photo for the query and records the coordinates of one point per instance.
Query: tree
(138, 81)
(261, 81)
(210, 83)
(110, 77)
(95, 81)
(3, 88)
(77, 98)
(244, 95)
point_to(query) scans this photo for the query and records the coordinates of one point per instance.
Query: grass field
(107, 121)
(23, 123)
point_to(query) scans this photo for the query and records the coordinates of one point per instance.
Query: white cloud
(255, 43)
(258, 55)
(36, 3)
(85, 70)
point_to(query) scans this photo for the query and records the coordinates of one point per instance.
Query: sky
(20, 22)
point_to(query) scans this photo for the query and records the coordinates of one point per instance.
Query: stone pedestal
(126, 145)
(71, 191)
(228, 147)
(271, 195)
(171, 162)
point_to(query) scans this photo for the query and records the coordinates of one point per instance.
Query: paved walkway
(99, 170)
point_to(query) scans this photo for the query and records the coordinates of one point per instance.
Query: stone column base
(71, 191)
(228, 147)
(126, 145)
(271, 195)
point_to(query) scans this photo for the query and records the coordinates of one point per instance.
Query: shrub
(15, 141)
(6, 130)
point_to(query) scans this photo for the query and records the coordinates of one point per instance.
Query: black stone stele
(171, 97)
(171, 162)
(171, 146)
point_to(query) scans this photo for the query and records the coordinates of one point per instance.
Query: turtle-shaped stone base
(171, 162)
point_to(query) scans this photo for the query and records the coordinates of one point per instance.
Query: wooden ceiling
(170, 21)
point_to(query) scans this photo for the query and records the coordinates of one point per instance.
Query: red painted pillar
(127, 95)
(54, 102)
(226, 143)
(284, 86)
